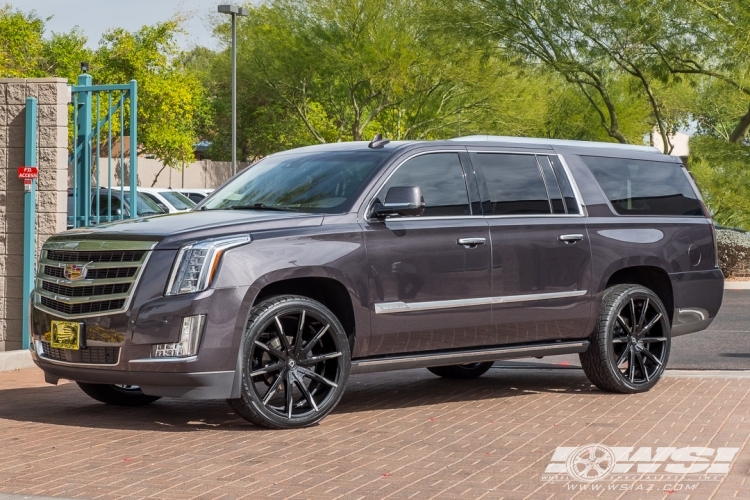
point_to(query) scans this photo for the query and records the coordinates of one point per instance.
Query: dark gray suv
(349, 258)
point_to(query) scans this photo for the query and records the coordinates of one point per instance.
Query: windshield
(321, 182)
(177, 200)
(145, 206)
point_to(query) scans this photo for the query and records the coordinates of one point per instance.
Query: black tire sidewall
(265, 312)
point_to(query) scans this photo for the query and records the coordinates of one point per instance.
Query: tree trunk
(156, 177)
(740, 131)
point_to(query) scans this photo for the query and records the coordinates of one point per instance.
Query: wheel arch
(654, 278)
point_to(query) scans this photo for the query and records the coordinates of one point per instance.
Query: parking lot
(396, 435)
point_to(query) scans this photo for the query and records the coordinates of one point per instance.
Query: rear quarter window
(641, 187)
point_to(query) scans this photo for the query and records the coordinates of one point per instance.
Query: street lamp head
(234, 10)
(84, 67)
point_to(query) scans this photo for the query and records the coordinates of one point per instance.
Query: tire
(470, 370)
(295, 363)
(116, 395)
(621, 358)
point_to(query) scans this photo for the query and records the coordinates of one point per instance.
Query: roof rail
(555, 142)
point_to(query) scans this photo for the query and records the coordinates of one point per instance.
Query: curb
(737, 285)
(15, 360)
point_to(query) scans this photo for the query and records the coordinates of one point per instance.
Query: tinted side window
(441, 179)
(514, 183)
(567, 190)
(553, 189)
(640, 187)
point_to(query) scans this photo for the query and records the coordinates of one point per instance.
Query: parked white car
(167, 199)
(195, 194)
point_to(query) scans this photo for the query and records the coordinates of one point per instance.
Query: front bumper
(128, 339)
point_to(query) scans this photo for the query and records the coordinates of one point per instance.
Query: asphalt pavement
(725, 345)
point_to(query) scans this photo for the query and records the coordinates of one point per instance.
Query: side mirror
(400, 200)
(117, 211)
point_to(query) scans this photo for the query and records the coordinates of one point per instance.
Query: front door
(541, 256)
(429, 275)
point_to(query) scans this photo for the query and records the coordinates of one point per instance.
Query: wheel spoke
(642, 321)
(653, 339)
(271, 390)
(317, 359)
(305, 392)
(271, 350)
(623, 324)
(268, 369)
(315, 339)
(620, 340)
(632, 314)
(623, 356)
(298, 338)
(289, 397)
(651, 356)
(650, 324)
(642, 366)
(317, 377)
(281, 335)
(631, 367)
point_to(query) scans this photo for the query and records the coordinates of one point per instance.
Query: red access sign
(28, 173)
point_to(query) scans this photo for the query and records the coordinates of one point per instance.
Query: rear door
(541, 256)
(429, 287)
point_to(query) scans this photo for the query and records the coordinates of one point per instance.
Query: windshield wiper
(263, 206)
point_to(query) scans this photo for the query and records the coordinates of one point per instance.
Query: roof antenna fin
(378, 142)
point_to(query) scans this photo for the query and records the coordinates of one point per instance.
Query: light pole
(234, 11)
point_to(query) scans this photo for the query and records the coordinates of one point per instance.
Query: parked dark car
(349, 258)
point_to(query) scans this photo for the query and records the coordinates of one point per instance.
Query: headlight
(196, 264)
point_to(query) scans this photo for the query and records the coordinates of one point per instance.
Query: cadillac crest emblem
(75, 272)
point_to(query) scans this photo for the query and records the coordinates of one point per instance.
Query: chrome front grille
(88, 278)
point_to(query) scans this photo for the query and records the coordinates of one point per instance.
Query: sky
(97, 16)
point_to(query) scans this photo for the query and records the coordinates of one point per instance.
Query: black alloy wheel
(465, 371)
(630, 346)
(296, 361)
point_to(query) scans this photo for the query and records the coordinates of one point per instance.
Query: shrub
(734, 252)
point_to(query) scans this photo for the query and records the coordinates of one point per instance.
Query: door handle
(570, 238)
(471, 242)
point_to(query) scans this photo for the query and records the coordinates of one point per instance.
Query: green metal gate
(102, 113)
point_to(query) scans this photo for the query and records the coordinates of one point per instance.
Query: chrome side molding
(462, 357)
(399, 307)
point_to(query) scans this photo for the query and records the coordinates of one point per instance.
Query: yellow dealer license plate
(65, 335)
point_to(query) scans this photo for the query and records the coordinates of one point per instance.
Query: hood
(173, 230)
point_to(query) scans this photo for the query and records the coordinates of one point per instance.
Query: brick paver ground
(396, 435)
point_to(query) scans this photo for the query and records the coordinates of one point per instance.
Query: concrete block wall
(52, 160)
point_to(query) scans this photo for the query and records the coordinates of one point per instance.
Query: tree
(170, 99)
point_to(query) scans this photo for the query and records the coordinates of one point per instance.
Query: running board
(463, 357)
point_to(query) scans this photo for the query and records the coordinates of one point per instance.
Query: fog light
(190, 336)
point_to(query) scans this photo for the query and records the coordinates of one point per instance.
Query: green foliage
(721, 171)
(171, 102)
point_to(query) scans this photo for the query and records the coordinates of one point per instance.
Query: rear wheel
(469, 370)
(630, 345)
(117, 395)
(295, 363)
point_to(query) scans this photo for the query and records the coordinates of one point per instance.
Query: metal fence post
(29, 221)
(133, 148)
(83, 186)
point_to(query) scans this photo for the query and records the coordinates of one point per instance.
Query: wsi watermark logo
(676, 466)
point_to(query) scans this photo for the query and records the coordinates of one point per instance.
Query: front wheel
(630, 345)
(117, 395)
(469, 370)
(295, 363)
